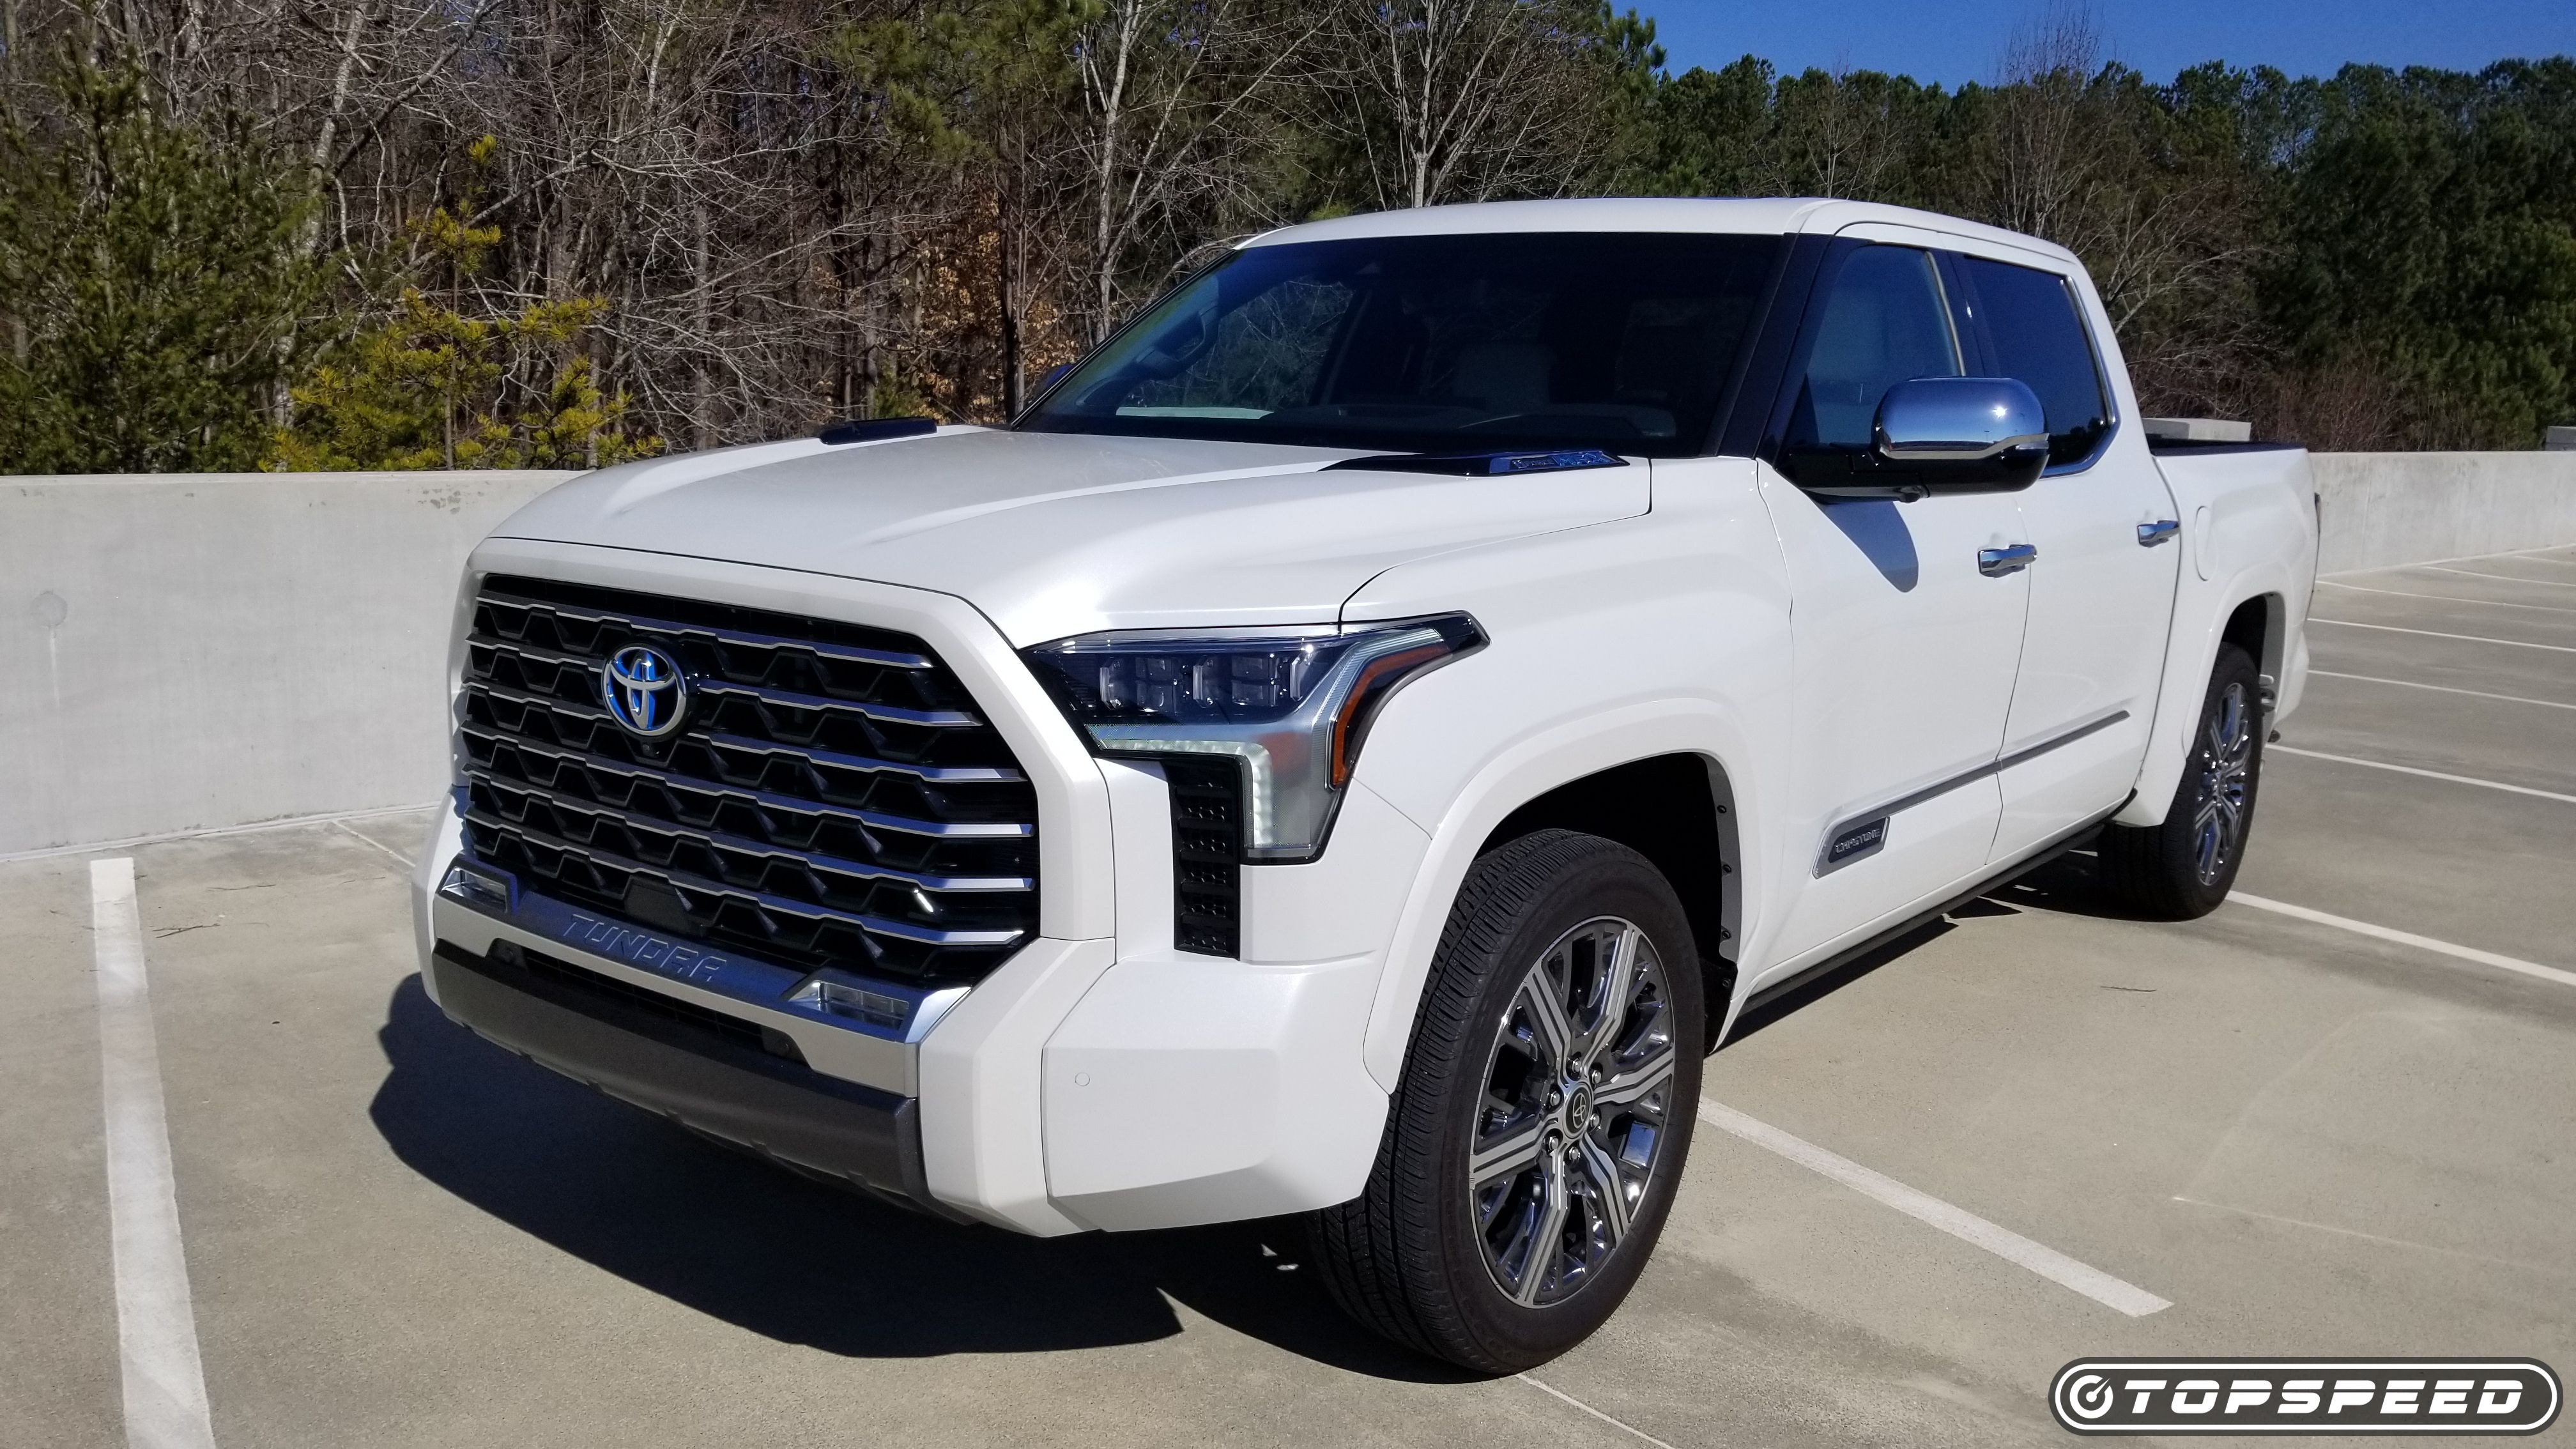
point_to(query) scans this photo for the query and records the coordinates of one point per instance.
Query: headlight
(1290, 706)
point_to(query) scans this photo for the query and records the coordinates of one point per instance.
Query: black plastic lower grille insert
(582, 982)
(1207, 842)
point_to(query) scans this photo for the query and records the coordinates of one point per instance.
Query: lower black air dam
(679, 1068)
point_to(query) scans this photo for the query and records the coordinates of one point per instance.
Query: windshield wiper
(1482, 465)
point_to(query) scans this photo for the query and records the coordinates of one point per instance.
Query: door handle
(2160, 531)
(1994, 563)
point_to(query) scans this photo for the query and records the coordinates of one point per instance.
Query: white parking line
(1555, 1393)
(2444, 688)
(2508, 578)
(1958, 1222)
(156, 1319)
(213, 832)
(363, 838)
(2444, 598)
(2427, 774)
(2436, 634)
(2409, 938)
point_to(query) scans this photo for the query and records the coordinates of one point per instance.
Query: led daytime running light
(1292, 707)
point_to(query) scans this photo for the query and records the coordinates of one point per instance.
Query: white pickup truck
(1362, 736)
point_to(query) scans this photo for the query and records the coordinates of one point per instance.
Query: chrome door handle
(1994, 563)
(2160, 531)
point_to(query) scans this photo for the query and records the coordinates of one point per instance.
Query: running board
(2047, 851)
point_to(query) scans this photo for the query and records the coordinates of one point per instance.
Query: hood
(1052, 534)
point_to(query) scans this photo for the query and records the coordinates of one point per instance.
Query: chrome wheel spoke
(1513, 1153)
(2204, 815)
(1636, 1080)
(1618, 984)
(1544, 1005)
(2228, 736)
(1609, 1190)
(1546, 1237)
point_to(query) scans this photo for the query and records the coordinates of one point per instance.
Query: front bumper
(733, 1084)
(1084, 1085)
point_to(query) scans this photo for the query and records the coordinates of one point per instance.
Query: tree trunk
(702, 281)
(1014, 302)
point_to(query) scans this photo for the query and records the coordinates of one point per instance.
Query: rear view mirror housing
(1936, 435)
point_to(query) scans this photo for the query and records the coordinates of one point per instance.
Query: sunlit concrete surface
(2382, 509)
(2311, 1141)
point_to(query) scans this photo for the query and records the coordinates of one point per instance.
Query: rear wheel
(1532, 1151)
(2184, 867)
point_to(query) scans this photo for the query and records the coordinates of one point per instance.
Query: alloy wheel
(1569, 1130)
(2226, 774)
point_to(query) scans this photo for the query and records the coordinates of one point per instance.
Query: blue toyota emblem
(644, 691)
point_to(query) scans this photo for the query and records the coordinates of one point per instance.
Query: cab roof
(1757, 216)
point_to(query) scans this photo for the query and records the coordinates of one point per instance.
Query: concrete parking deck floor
(2310, 1139)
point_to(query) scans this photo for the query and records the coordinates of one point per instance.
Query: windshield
(1623, 341)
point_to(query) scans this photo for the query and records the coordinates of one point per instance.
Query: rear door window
(2030, 329)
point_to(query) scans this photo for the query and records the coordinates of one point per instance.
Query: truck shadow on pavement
(2067, 885)
(804, 1263)
(2070, 885)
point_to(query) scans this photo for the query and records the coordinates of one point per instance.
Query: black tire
(2183, 868)
(1422, 1256)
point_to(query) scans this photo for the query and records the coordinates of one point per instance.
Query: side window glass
(2034, 333)
(1883, 323)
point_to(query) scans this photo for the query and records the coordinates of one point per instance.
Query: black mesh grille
(833, 797)
(1207, 831)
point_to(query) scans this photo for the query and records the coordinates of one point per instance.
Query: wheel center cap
(1578, 1107)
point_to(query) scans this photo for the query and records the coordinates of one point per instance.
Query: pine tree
(438, 384)
(154, 289)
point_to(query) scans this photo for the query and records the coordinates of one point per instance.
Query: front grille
(832, 798)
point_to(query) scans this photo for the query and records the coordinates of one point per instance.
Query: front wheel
(1533, 1148)
(2185, 867)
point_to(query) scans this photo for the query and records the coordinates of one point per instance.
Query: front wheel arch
(1530, 769)
(1678, 811)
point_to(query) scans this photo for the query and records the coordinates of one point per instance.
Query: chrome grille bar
(789, 699)
(943, 718)
(767, 800)
(736, 845)
(935, 774)
(740, 637)
(774, 905)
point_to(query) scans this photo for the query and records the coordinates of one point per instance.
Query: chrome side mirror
(1962, 432)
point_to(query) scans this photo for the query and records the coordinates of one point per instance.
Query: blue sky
(1951, 41)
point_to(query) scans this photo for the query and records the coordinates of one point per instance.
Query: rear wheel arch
(2257, 626)
(2183, 866)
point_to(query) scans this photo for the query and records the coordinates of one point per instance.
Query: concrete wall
(187, 652)
(2379, 509)
(201, 650)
